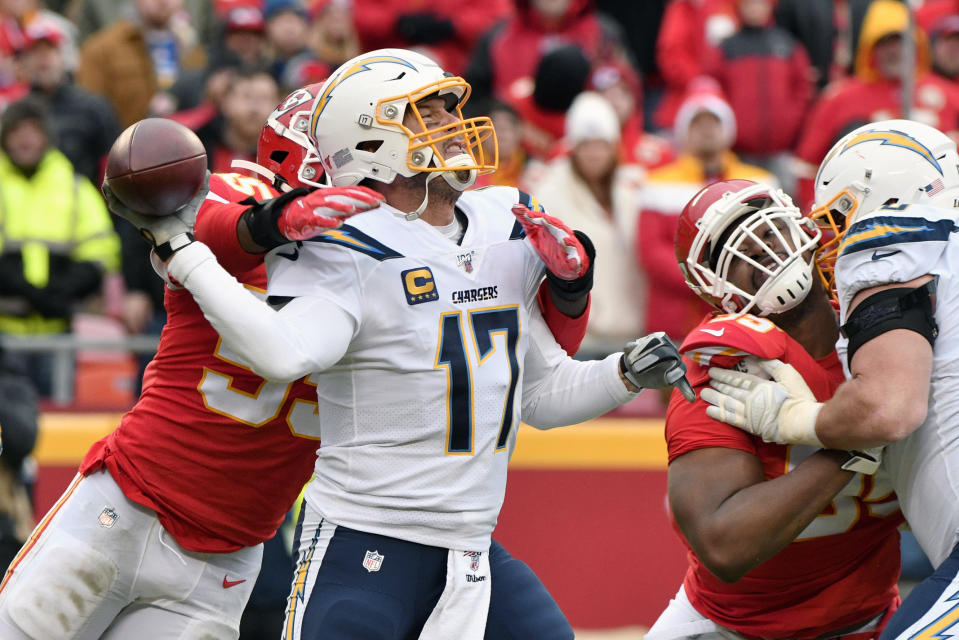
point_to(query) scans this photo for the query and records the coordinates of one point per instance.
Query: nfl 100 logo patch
(373, 561)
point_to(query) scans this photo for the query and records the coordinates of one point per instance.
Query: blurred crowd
(612, 113)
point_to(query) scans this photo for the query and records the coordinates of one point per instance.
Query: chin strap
(453, 178)
(413, 215)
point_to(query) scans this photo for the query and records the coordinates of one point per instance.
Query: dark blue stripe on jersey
(353, 238)
(883, 231)
(518, 232)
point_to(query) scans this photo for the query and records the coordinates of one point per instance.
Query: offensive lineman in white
(421, 324)
(890, 191)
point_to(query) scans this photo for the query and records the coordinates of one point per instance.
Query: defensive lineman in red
(784, 542)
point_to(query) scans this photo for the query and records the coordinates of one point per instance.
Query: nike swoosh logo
(231, 583)
(715, 332)
(879, 256)
(290, 256)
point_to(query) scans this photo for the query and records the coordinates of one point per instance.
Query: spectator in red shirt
(768, 79)
(505, 59)
(875, 92)
(446, 30)
(688, 36)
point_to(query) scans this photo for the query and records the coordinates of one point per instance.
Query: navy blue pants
(394, 602)
(939, 592)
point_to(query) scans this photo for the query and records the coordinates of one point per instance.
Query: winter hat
(273, 8)
(591, 117)
(244, 18)
(704, 94)
(560, 76)
(29, 108)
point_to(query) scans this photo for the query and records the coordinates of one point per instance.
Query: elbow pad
(899, 308)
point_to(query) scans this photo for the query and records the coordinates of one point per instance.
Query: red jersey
(210, 446)
(844, 565)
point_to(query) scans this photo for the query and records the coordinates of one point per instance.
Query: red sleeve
(569, 332)
(689, 428)
(721, 341)
(218, 216)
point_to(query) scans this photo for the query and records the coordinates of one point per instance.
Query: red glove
(554, 242)
(323, 209)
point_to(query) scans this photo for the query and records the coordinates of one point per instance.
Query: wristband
(261, 218)
(174, 244)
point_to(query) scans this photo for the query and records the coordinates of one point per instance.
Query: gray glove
(167, 234)
(653, 362)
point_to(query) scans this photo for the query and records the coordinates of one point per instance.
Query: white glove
(782, 410)
(653, 362)
(168, 233)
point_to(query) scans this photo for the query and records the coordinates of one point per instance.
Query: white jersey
(898, 243)
(419, 417)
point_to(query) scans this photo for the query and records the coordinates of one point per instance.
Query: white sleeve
(558, 390)
(895, 243)
(278, 345)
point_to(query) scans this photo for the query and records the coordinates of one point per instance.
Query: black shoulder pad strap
(899, 308)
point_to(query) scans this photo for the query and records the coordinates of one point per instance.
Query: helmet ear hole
(371, 146)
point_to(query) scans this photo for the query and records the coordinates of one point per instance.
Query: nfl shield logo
(475, 562)
(107, 517)
(372, 561)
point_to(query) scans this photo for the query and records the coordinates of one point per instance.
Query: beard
(440, 192)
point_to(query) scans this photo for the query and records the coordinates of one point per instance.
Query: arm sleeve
(216, 227)
(568, 332)
(308, 334)
(558, 390)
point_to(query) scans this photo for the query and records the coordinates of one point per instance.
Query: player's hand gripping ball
(156, 166)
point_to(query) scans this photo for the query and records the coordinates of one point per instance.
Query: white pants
(101, 566)
(681, 620)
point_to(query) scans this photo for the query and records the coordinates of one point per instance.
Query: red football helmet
(285, 155)
(733, 219)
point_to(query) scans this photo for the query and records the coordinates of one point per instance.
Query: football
(156, 166)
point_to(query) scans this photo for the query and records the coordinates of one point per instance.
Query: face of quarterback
(435, 112)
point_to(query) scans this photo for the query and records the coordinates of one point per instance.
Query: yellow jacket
(53, 210)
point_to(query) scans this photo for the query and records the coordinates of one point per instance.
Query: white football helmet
(739, 219)
(892, 161)
(363, 104)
